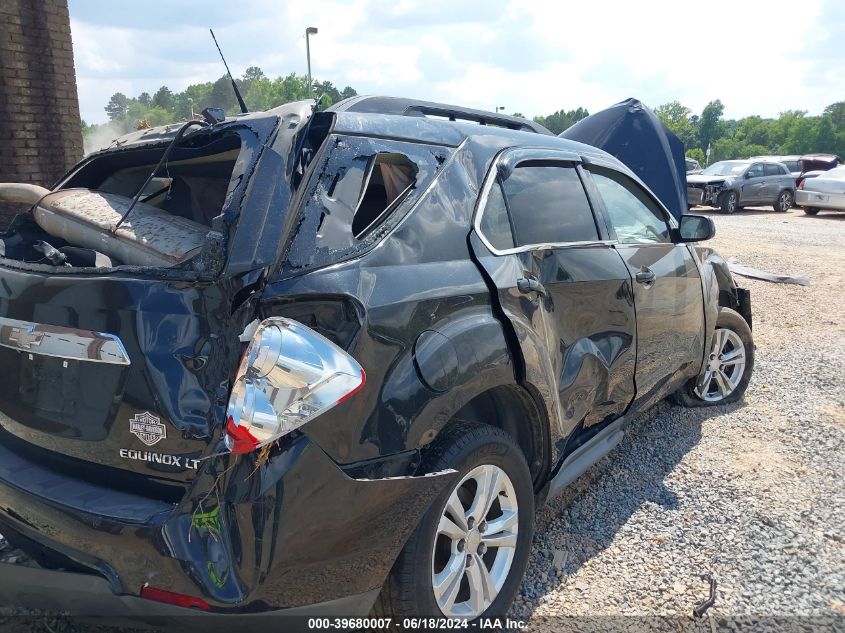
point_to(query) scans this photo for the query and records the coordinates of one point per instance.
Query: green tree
(754, 130)
(697, 154)
(708, 123)
(826, 135)
(562, 119)
(221, 96)
(327, 91)
(253, 73)
(676, 117)
(163, 98)
(836, 112)
(117, 105)
(145, 98)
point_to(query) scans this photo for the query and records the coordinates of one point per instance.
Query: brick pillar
(40, 135)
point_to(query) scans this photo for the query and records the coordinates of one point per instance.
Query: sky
(530, 57)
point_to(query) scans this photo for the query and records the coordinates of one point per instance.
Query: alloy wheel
(475, 543)
(725, 367)
(731, 202)
(785, 201)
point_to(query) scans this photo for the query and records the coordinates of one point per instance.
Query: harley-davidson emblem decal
(148, 428)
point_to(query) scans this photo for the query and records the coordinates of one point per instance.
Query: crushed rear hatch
(128, 369)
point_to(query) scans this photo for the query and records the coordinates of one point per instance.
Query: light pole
(500, 108)
(311, 30)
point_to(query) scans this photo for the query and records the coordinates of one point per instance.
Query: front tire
(784, 201)
(728, 367)
(729, 202)
(467, 556)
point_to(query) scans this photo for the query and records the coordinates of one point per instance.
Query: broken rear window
(360, 190)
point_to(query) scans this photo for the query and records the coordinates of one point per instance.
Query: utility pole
(311, 30)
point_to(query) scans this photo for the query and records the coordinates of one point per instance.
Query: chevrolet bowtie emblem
(26, 338)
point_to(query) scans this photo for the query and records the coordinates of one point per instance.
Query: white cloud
(532, 57)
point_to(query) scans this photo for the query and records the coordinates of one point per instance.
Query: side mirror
(696, 228)
(749, 174)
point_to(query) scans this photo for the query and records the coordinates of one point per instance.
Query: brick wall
(40, 136)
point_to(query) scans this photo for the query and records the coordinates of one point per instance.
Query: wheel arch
(520, 413)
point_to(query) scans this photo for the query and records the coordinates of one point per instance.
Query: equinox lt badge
(148, 428)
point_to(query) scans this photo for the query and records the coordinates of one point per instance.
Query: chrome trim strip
(62, 342)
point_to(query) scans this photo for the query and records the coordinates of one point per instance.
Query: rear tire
(784, 201)
(729, 202)
(723, 382)
(453, 532)
(811, 210)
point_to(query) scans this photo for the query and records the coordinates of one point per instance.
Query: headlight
(288, 376)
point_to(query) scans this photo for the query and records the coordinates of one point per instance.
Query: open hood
(632, 133)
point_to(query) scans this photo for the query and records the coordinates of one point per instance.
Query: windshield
(724, 168)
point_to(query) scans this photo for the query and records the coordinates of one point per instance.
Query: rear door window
(548, 205)
(773, 169)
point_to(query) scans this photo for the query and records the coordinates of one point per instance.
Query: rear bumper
(294, 533)
(806, 198)
(85, 595)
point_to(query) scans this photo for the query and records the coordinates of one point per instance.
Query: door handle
(530, 284)
(646, 276)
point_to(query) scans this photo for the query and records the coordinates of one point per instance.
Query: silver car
(733, 184)
(824, 192)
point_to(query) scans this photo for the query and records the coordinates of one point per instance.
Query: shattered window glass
(389, 178)
(359, 191)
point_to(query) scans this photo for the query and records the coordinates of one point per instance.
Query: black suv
(329, 362)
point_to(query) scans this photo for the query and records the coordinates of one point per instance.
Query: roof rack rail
(413, 107)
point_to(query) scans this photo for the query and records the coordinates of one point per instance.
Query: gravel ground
(750, 493)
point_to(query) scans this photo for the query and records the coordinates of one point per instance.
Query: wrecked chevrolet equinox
(301, 362)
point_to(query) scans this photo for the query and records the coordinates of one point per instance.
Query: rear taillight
(288, 376)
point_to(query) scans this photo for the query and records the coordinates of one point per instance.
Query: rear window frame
(429, 160)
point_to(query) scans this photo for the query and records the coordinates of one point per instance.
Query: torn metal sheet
(754, 273)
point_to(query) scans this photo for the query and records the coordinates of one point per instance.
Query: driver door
(752, 186)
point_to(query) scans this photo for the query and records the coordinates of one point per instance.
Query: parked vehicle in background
(825, 192)
(693, 166)
(734, 184)
(813, 165)
(792, 162)
(380, 338)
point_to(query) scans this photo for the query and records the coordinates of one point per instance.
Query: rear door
(773, 182)
(667, 288)
(561, 285)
